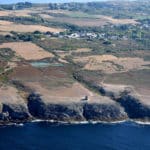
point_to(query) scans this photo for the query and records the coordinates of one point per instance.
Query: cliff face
(134, 107)
(13, 108)
(14, 113)
(80, 111)
(58, 112)
(103, 112)
(116, 105)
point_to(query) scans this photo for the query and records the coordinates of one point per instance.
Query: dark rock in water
(134, 107)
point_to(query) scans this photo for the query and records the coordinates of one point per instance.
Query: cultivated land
(6, 26)
(90, 22)
(27, 50)
(71, 62)
(112, 64)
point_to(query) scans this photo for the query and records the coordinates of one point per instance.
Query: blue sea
(48, 136)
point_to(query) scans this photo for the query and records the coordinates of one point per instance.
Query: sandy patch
(27, 50)
(10, 26)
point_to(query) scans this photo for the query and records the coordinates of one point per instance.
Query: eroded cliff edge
(113, 105)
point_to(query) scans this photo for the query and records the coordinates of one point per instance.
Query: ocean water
(47, 136)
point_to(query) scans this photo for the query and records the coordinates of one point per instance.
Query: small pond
(45, 64)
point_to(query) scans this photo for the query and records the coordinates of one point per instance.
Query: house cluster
(79, 35)
(92, 35)
(87, 35)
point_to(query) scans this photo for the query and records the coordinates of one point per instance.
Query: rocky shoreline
(127, 107)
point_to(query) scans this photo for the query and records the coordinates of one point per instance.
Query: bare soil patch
(10, 95)
(27, 50)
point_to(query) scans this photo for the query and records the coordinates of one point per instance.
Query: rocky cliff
(114, 105)
(75, 111)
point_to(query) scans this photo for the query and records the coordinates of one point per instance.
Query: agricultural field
(7, 26)
(111, 64)
(59, 52)
(27, 50)
(91, 21)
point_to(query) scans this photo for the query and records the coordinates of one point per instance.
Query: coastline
(19, 124)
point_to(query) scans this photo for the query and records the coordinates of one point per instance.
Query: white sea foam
(83, 122)
(142, 122)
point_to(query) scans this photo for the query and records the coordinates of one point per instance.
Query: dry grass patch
(10, 95)
(5, 33)
(45, 16)
(112, 64)
(81, 21)
(74, 93)
(97, 21)
(23, 13)
(118, 21)
(83, 50)
(27, 50)
(8, 26)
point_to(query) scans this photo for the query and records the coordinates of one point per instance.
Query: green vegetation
(118, 9)
(17, 6)
(6, 54)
